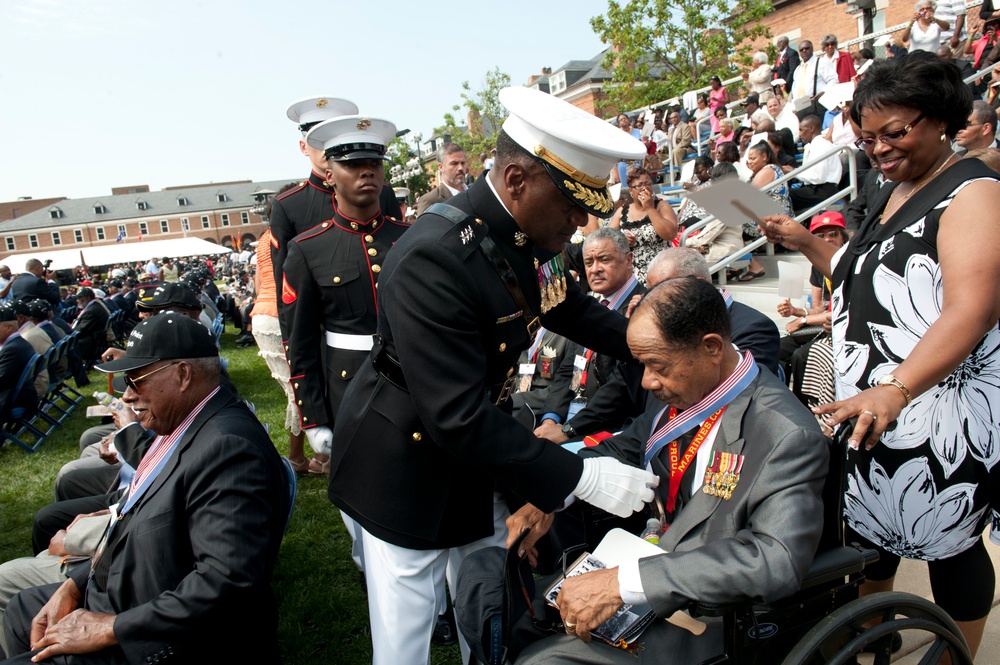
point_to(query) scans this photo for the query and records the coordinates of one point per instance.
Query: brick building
(21, 207)
(217, 212)
(578, 82)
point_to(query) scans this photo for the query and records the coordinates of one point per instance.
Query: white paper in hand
(791, 278)
(836, 95)
(800, 103)
(733, 202)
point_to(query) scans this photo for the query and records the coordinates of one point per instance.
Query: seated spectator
(718, 115)
(91, 324)
(608, 263)
(15, 354)
(985, 50)
(757, 544)
(213, 510)
(648, 223)
(729, 153)
(811, 324)
(175, 297)
(981, 129)
(988, 156)
(701, 119)
(755, 113)
(779, 142)
(41, 313)
(716, 240)
(762, 163)
(857, 209)
(679, 137)
(842, 131)
(820, 181)
(39, 341)
(783, 116)
(545, 355)
(841, 60)
(726, 133)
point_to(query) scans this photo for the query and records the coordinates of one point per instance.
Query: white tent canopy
(122, 252)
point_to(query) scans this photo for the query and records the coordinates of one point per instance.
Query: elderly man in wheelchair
(746, 490)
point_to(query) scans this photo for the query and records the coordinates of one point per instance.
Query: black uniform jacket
(416, 459)
(330, 274)
(300, 209)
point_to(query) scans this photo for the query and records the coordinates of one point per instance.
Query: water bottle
(809, 302)
(652, 532)
(109, 401)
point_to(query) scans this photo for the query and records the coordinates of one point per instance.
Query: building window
(100, 232)
(143, 229)
(56, 238)
(183, 201)
(122, 232)
(244, 217)
(185, 225)
(221, 197)
(55, 213)
(33, 241)
(225, 219)
(77, 235)
(10, 245)
(141, 205)
(99, 209)
(164, 226)
(557, 82)
(204, 222)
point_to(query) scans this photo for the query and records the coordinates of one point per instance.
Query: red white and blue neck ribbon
(744, 374)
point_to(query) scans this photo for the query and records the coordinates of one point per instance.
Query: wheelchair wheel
(841, 636)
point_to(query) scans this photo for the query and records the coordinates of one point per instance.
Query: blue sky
(102, 93)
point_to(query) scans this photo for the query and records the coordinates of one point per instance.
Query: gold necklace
(913, 191)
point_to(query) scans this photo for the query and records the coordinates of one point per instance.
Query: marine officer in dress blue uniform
(424, 436)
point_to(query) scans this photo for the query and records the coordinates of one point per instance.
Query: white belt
(350, 342)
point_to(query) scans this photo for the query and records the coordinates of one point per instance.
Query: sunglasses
(134, 383)
(889, 138)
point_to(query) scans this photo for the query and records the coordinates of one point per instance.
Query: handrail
(851, 190)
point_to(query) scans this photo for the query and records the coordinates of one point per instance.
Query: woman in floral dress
(916, 341)
(649, 223)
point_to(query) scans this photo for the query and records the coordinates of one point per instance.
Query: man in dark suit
(15, 354)
(33, 283)
(92, 324)
(183, 575)
(452, 168)
(623, 398)
(786, 63)
(732, 536)
(427, 422)
(608, 263)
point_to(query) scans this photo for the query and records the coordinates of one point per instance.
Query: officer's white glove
(615, 487)
(321, 439)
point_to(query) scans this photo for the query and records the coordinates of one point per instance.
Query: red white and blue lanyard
(744, 374)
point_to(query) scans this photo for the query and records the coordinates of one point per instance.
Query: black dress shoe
(445, 633)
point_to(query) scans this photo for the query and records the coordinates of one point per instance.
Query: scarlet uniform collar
(358, 226)
(319, 182)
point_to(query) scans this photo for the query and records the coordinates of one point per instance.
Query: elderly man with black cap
(183, 572)
(314, 200)
(424, 440)
(91, 323)
(15, 354)
(173, 296)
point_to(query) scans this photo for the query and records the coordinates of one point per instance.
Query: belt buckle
(505, 391)
(533, 327)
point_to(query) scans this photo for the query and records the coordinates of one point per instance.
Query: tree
(485, 113)
(662, 48)
(399, 154)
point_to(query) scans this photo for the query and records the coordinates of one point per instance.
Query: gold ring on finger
(870, 413)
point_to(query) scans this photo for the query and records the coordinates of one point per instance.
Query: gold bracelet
(890, 380)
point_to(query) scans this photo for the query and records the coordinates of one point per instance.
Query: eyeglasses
(805, 48)
(889, 138)
(134, 383)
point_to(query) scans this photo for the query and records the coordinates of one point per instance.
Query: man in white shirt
(812, 77)
(980, 130)
(952, 11)
(820, 181)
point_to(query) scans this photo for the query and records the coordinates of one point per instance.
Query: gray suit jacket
(757, 545)
(439, 194)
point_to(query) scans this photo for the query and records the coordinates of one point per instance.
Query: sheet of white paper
(836, 95)
(801, 102)
(791, 280)
(757, 138)
(733, 202)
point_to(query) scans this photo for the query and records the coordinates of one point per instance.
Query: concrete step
(762, 293)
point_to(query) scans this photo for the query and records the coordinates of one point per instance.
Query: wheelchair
(824, 621)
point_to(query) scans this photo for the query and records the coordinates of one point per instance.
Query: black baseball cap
(165, 336)
(40, 308)
(752, 98)
(7, 313)
(168, 294)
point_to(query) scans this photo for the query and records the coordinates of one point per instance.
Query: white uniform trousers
(354, 530)
(406, 592)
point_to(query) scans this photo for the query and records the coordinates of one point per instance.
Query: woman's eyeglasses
(134, 383)
(889, 138)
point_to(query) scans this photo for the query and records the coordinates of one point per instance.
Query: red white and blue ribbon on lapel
(744, 374)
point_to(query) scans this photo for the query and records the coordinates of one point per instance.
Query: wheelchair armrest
(829, 565)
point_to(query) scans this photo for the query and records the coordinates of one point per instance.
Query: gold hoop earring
(943, 137)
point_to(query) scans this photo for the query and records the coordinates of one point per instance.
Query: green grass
(322, 607)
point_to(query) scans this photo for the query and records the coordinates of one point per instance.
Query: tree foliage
(662, 48)
(485, 116)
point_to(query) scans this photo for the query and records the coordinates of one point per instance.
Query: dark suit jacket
(91, 323)
(15, 354)
(439, 194)
(417, 466)
(786, 65)
(29, 287)
(188, 570)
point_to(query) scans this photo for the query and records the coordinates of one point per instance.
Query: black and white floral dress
(925, 491)
(648, 242)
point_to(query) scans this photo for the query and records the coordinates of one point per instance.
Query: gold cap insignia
(364, 124)
(320, 103)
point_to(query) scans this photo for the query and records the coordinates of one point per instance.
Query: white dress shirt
(806, 72)
(829, 170)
